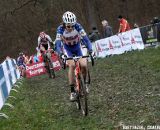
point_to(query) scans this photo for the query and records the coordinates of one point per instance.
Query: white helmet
(69, 17)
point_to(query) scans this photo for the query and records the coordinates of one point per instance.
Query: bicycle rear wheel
(83, 96)
(78, 104)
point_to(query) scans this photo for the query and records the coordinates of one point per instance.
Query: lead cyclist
(69, 33)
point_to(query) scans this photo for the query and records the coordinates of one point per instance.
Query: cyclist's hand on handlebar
(63, 56)
(91, 53)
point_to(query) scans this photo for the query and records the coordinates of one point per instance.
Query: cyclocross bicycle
(80, 84)
(48, 62)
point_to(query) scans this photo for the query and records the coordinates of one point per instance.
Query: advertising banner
(102, 47)
(35, 69)
(136, 39)
(118, 44)
(115, 45)
(38, 68)
(126, 41)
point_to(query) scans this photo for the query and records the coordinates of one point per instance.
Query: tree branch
(23, 5)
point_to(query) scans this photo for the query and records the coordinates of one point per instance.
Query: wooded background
(22, 20)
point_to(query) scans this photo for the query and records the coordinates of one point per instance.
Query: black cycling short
(45, 46)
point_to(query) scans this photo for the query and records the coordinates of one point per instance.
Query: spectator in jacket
(94, 35)
(107, 30)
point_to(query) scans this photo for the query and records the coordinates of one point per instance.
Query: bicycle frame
(77, 66)
(48, 61)
(77, 72)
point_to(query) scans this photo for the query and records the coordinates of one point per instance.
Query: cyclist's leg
(71, 66)
(43, 48)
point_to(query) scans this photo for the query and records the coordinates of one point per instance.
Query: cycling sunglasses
(69, 26)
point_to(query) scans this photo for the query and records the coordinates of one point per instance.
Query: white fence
(8, 77)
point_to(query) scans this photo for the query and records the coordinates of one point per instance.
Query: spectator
(124, 25)
(31, 59)
(8, 58)
(21, 64)
(26, 59)
(94, 35)
(155, 20)
(107, 30)
(35, 58)
(136, 25)
(40, 58)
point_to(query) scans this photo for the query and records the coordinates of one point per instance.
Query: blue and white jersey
(71, 40)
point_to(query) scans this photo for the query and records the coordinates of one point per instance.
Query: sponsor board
(38, 68)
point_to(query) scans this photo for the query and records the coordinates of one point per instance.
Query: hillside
(124, 89)
(22, 20)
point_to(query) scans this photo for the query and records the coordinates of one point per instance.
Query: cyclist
(44, 41)
(21, 63)
(69, 34)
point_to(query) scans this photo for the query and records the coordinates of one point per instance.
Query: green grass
(125, 89)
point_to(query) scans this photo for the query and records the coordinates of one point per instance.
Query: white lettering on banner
(34, 66)
(117, 45)
(138, 38)
(126, 41)
(33, 72)
(56, 64)
(102, 47)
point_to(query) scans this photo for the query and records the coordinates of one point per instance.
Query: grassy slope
(124, 89)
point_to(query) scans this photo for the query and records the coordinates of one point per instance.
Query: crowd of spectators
(107, 30)
(24, 60)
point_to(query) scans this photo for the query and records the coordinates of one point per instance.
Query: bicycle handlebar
(76, 58)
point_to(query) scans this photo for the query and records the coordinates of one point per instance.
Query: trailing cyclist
(44, 41)
(69, 33)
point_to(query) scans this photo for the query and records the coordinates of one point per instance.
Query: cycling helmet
(69, 18)
(42, 34)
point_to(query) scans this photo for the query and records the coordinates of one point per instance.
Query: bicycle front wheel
(51, 71)
(83, 96)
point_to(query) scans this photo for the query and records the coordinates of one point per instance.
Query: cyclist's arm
(84, 36)
(58, 46)
(87, 42)
(49, 38)
(58, 41)
(39, 42)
